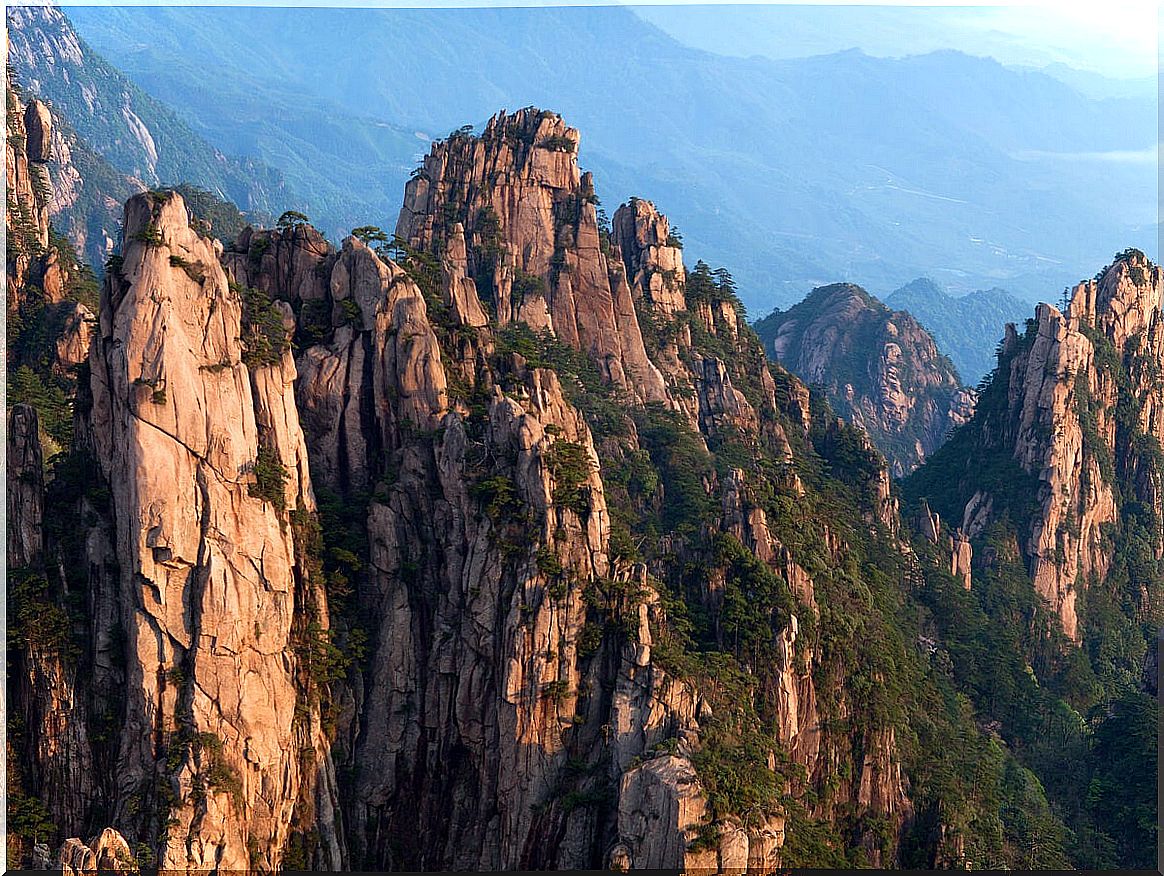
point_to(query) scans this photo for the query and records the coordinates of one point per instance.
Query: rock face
(25, 488)
(203, 630)
(27, 215)
(880, 370)
(653, 257)
(498, 547)
(519, 196)
(1072, 417)
(38, 122)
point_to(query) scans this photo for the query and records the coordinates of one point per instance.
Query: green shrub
(264, 337)
(525, 286)
(151, 236)
(499, 497)
(558, 143)
(291, 219)
(314, 322)
(350, 312)
(35, 620)
(193, 270)
(570, 467)
(270, 479)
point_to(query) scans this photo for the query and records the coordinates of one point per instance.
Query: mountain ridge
(850, 166)
(880, 369)
(498, 543)
(966, 327)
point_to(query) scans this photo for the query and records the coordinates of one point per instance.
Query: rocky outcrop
(881, 370)
(107, 853)
(38, 123)
(206, 462)
(1072, 414)
(652, 255)
(289, 263)
(518, 195)
(961, 557)
(26, 218)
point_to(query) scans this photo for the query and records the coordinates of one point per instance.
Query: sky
(1116, 38)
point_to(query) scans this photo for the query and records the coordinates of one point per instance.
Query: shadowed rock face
(880, 370)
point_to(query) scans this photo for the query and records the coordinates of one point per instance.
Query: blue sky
(1116, 38)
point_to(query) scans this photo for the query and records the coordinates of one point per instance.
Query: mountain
(52, 295)
(82, 192)
(879, 369)
(1015, 36)
(796, 172)
(123, 137)
(1055, 482)
(498, 543)
(967, 327)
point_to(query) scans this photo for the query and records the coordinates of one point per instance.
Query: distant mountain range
(119, 138)
(967, 328)
(793, 173)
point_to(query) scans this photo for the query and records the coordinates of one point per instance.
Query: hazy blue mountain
(966, 328)
(136, 133)
(1098, 86)
(793, 173)
(1015, 35)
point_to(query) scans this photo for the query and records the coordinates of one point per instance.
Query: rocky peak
(653, 257)
(289, 263)
(1066, 429)
(28, 188)
(478, 643)
(880, 369)
(193, 410)
(528, 217)
(1122, 301)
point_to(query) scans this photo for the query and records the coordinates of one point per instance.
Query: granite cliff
(1065, 445)
(495, 543)
(879, 368)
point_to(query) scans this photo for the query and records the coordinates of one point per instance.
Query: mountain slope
(968, 327)
(879, 368)
(135, 133)
(1056, 483)
(496, 545)
(795, 172)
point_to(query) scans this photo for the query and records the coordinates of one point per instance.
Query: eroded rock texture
(880, 368)
(497, 546)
